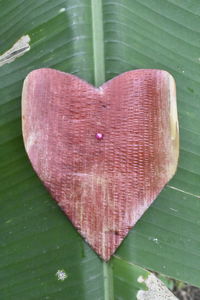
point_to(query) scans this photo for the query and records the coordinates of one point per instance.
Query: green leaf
(37, 240)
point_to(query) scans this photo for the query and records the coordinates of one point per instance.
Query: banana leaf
(42, 255)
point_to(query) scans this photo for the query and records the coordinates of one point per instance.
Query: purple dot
(99, 136)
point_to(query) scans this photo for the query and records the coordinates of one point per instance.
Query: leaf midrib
(99, 79)
(98, 42)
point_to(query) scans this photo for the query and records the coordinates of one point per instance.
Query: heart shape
(103, 153)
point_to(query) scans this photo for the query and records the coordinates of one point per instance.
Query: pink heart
(103, 153)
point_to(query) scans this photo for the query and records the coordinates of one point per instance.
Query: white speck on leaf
(17, 50)
(155, 240)
(62, 10)
(61, 275)
(173, 209)
(8, 221)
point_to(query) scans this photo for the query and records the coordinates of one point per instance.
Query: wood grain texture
(103, 185)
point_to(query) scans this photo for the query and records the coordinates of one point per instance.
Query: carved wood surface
(103, 153)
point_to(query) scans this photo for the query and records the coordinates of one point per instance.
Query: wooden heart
(103, 153)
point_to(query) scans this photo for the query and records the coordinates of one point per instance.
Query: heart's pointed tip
(106, 251)
(104, 257)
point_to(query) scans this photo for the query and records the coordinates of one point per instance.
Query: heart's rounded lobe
(103, 153)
